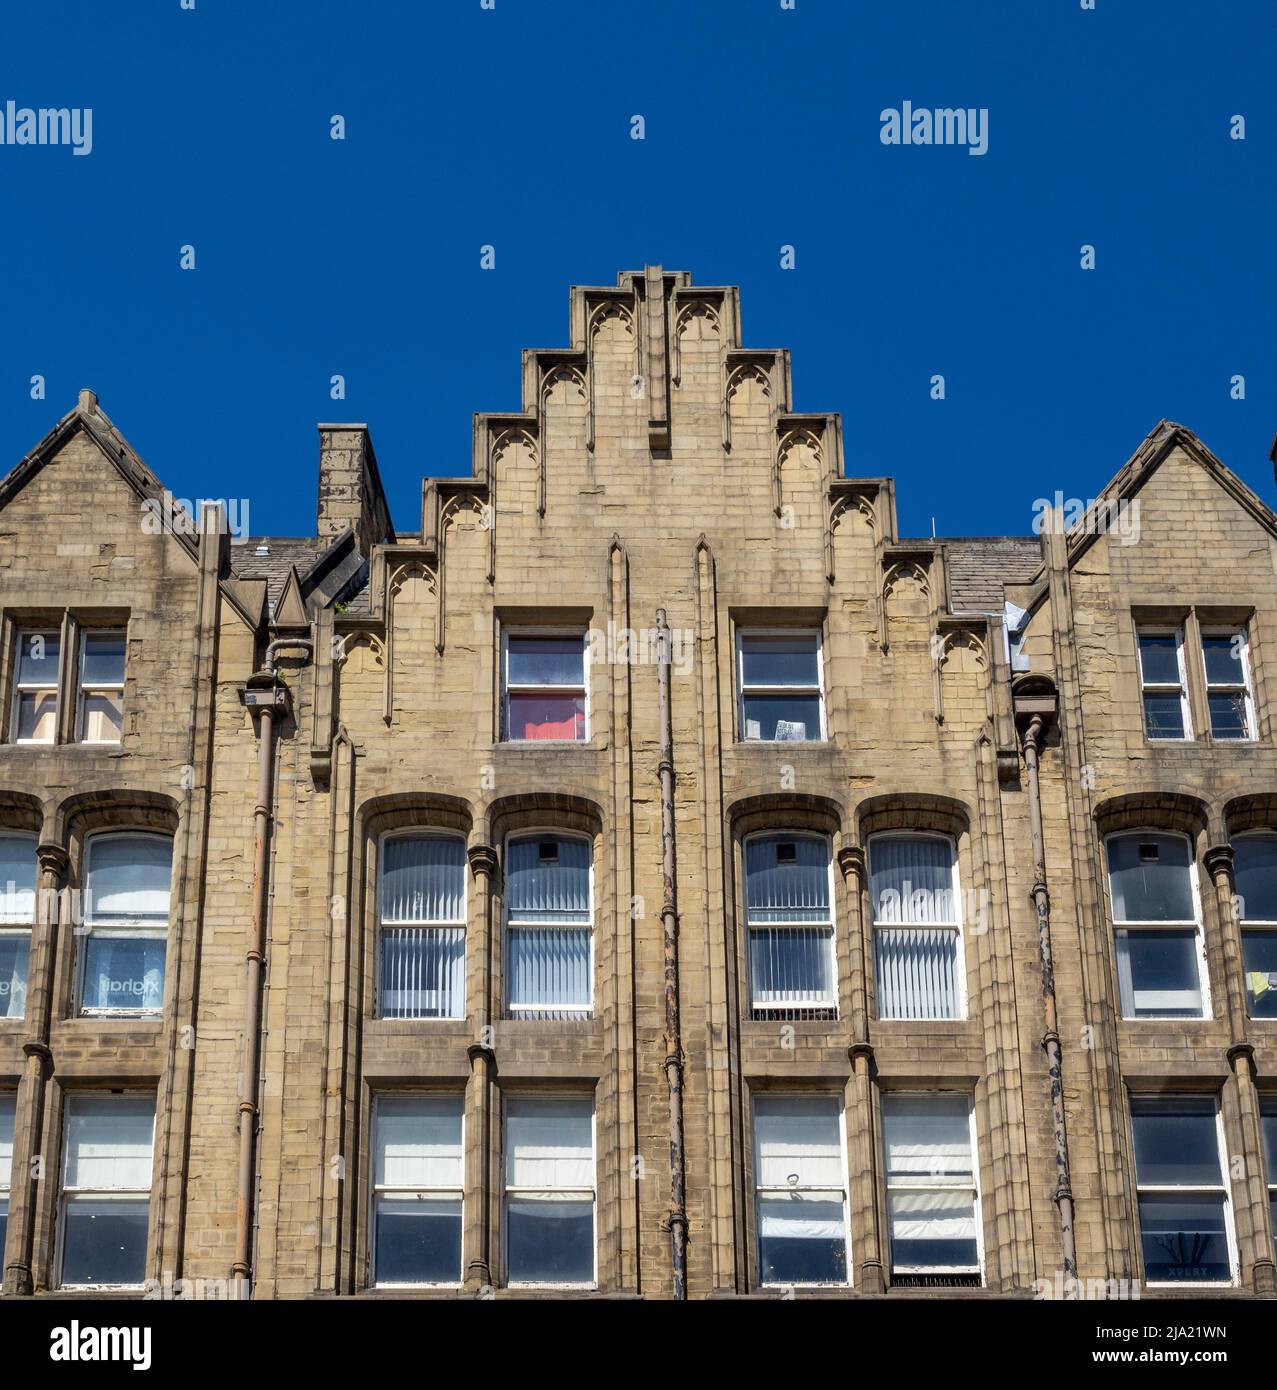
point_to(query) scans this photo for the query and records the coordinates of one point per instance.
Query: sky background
(511, 127)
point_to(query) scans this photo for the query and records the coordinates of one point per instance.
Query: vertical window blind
(17, 914)
(549, 932)
(423, 935)
(916, 927)
(790, 924)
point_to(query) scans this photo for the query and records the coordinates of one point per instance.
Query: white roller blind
(419, 1142)
(911, 880)
(108, 1142)
(932, 1216)
(788, 1218)
(128, 878)
(423, 879)
(549, 1143)
(798, 1142)
(927, 1138)
(17, 880)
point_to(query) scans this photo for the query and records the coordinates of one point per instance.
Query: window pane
(548, 879)
(550, 968)
(1255, 867)
(1159, 658)
(104, 1242)
(1223, 655)
(540, 717)
(934, 1229)
(37, 716)
(786, 879)
(911, 880)
(791, 967)
(8, 1104)
(1176, 1141)
(108, 1141)
(1260, 951)
(801, 1240)
(927, 1138)
(418, 1142)
(1163, 716)
(103, 717)
(15, 951)
(1228, 715)
(418, 1241)
(423, 972)
(550, 1242)
(103, 659)
(1184, 1238)
(17, 879)
(1149, 878)
(1270, 1140)
(423, 879)
(546, 661)
(781, 718)
(780, 660)
(798, 1143)
(549, 1142)
(123, 972)
(129, 878)
(918, 973)
(1157, 974)
(38, 658)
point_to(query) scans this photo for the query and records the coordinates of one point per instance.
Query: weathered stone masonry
(657, 465)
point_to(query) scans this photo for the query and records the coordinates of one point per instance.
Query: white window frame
(8, 1101)
(1245, 687)
(762, 1193)
(829, 1005)
(120, 930)
(1225, 1187)
(101, 1194)
(20, 687)
(17, 930)
(1161, 687)
(83, 690)
(419, 832)
(914, 1271)
(1268, 1106)
(780, 630)
(438, 1194)
(1203, 970)
(529, 1011)
(562, 1193)
(582, 690)
(959, 928)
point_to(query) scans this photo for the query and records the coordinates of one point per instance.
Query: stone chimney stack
(350, 491)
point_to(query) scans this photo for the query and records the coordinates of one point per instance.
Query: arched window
(789, 916)
(1161, 965)
(126, 918)
(17, 914)
(916, 905)
(549, 926)
(422, 911)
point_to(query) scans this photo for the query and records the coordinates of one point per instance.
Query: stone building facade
(645, 875)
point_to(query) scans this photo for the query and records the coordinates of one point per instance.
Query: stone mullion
(480, 1088)
(869, 1275)
(28, 1134)
(1255, 1236)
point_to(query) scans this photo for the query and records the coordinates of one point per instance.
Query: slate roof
(977, 567)
(285, 551)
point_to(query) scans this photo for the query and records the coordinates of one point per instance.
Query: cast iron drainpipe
(1051, 1038)
(265, 695)
(669, 926)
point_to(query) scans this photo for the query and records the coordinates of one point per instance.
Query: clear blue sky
(512, 127)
